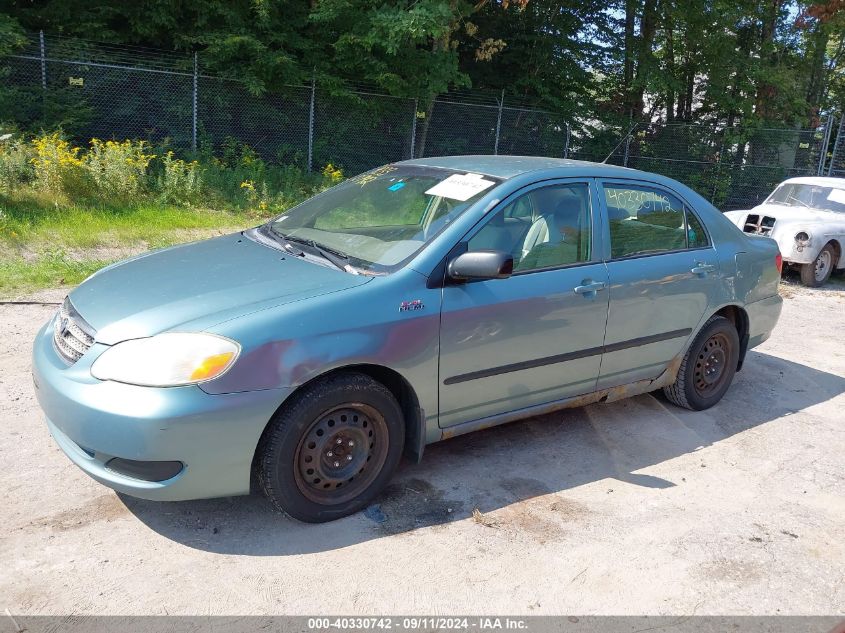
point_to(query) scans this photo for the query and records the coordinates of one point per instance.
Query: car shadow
(495, 468)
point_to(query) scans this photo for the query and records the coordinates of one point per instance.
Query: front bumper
(93, 421)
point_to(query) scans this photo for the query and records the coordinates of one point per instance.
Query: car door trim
(674, 251)
(562, 358)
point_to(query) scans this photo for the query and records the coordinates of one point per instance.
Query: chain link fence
(836, 166)
(94, 90)
(734, 167)
(99, 91)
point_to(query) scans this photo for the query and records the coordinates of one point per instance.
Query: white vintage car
(806, 216)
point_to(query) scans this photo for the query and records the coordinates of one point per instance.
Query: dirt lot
(635, 507)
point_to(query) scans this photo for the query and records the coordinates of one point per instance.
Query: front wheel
(708, 367)
(818, 272)
(332, 449)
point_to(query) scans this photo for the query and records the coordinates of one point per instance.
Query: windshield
(381, 218)
(809, 196)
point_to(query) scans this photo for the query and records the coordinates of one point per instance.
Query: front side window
(644, 220)
(381, 218)
(544, 228)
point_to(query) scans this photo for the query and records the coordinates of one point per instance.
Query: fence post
(499, 123)
(566, 146)
(718, 170)
(823, 147)
(311, 123)
(414, 126)
(627, 148)
(194, 117)
(835, 145)
(43, 60)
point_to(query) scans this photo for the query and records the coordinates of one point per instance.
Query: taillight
(779, 262)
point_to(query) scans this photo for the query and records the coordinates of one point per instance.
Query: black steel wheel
(708, 367)
(341, 453)
(330, 450)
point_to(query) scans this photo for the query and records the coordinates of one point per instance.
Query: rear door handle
(590, 287)
(702, 269)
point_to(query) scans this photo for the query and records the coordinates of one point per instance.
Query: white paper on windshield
(460, 186)
(837, 195)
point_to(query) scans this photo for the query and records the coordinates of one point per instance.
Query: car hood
(195, 286)
(784, 214)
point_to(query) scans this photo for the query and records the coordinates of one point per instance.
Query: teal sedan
(410, 304)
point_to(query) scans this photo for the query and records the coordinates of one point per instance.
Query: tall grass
(66, 210)
(54, 172)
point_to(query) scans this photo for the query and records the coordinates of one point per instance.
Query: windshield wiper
(335, 257)
(281, 240)
(801, 201)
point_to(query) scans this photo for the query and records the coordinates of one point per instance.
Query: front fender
(795, 253)
(288, 346)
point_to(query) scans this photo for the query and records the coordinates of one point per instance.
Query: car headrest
(545, 201)
(569, 208)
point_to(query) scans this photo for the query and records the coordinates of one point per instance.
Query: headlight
(802, 238)
(167, 360)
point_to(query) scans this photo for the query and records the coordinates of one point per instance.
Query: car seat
(548, 228)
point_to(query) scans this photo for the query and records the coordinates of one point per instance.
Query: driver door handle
(590, 287)
(702, 269)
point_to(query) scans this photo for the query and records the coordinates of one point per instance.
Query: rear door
(535, 337)
(663, 274)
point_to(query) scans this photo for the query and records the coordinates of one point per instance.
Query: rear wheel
(708, 366)
(333, 449)
(818, 272)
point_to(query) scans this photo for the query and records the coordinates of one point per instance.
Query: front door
(663, 274)
(535, 337)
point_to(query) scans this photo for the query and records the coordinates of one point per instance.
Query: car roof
(506, 167)
(837, 183)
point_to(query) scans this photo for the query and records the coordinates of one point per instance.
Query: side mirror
(481, 265)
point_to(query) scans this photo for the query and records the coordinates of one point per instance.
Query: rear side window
(695, 232)
(645, 220)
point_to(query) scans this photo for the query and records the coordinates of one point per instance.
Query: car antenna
(606, 158)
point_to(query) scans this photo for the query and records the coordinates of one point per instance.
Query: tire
(817, 273)
(313, 461)
(708, 367)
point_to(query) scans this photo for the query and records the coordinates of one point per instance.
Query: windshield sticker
(370, 176)
(837, 195)
(460, 186)
(396, 187)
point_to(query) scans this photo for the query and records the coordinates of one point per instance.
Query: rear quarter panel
(747, 262)
(749, 277)
(756, 275)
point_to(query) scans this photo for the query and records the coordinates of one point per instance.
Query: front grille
(759, 224)
(72, 336)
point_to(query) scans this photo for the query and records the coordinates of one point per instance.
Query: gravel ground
(635, 507)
